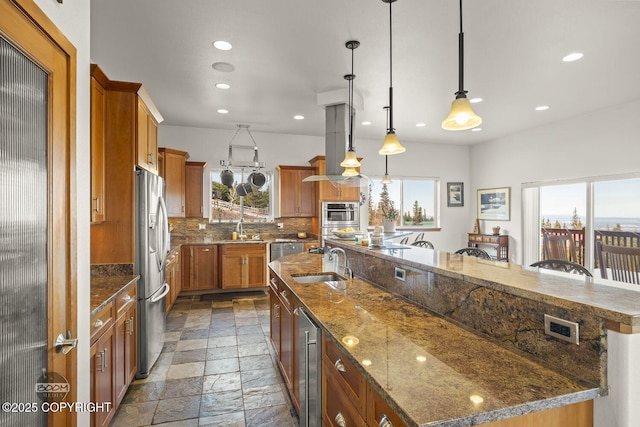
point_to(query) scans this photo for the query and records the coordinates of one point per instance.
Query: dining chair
(559, 247)
(622, 262)
(419, 237)
(404, 241)
(423, 244)
(476, 252)
(562, 265)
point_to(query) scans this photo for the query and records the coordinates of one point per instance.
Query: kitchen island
(430, 370)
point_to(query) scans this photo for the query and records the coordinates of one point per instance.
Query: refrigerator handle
(165, 290)
(165, 231)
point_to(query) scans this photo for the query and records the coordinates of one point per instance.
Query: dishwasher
(281, 248)
(309, 381)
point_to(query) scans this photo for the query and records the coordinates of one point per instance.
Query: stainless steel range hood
(336, 143)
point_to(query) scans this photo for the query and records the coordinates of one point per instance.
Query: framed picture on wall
(455, 194)
(494, 204)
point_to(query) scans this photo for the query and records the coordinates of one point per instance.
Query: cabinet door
(101, 377)
(204, 267)
(256, 268)
(186, 262)
(152, 144)
(274, 320)
(98, 167)
(233, 265)
(194, 173)
(142, 136)
(308, 194)
(297, 198)
(286, 345)
(289, 192)
(174, 169)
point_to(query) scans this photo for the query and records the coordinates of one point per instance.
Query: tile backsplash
(190, 227)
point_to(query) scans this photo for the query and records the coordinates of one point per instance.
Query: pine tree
(417, 213)
(576, 224)
(386, 206)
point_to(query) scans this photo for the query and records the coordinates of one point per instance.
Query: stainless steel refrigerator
(152, 247)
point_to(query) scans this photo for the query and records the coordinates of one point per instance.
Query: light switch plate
(562, 329)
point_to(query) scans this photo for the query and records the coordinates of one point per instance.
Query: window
(592, 209)
(414, 200)
(227, 205)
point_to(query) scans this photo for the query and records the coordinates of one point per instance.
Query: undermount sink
(318, 277)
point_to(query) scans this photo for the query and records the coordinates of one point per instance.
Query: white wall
(603, 142)
(73, 18)
(446, 162)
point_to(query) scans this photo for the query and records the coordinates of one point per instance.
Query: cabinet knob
(385, 422)
(126, 298)
(98, 323)
(340, 420)
(340, 366)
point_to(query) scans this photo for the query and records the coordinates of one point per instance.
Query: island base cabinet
(575, 415)
(337, 408)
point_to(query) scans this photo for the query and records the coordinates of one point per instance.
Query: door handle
(385, 422)
(339, 366)
(65, 345)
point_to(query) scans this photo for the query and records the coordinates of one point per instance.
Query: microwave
(340, 214)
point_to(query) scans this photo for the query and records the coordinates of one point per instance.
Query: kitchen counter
(176, 242)
(430, 370)
(105, 289)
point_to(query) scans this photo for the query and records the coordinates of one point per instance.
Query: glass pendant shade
(350, 160)
(462, 116)
(391, 145)
(386, 179)
(350, 172)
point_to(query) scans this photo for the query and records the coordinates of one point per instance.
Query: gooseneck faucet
(240, 230)
(347, 270)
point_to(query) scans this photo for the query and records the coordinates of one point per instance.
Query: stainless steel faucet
(347, 270)
(240, 230)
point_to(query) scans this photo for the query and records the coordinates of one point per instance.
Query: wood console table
(499, 242)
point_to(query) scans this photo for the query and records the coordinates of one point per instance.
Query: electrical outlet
(561, 329)
(280, 225)
(202, 226)
(400, 274)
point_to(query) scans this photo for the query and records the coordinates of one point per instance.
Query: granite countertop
(431, 371)
(615, 301)
(106, 288)
(176, 242)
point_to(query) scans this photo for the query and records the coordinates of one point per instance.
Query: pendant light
(386, 179)
(391, 143)
(462, 116)
(350, 162)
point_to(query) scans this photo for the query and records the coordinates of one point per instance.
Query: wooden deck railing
(614, 238)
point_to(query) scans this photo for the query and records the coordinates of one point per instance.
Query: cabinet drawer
(345, 373)
(379, 412)
(101, 321)
(283, 293)
(337, 409)
(243, 248)
(126, 298)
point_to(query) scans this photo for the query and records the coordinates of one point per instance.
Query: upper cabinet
(98, 170)
(328, 192)
(128, 129)
(194, 183)
(297, 198)
(173, 171)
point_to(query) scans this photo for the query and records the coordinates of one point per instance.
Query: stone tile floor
(217, 368)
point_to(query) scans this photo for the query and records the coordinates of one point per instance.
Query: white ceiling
(285, 52)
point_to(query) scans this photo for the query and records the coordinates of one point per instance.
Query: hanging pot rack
(254, 163)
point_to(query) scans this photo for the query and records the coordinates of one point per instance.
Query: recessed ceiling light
(223, 111)
(366, 123)
(298, 117)
(225, 67)
(573, 57)
(542, 107)
(476, 129)
(475, 100)
(223, 85)
(222, 45)
(420, 125)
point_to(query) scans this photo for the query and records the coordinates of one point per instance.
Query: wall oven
(339, 215)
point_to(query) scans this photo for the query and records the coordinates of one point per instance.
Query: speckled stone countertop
(615, 301)
(176, 242)
(105, 288)
(432, 372)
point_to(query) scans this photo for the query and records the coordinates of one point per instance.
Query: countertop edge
(112, 285)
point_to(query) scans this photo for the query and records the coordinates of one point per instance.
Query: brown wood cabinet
(174, 165)
(174, 278)
(147, 138)
(101, 376)
(499, 243)
(331, 192)
(244, 265)
(283, 333)
(194, 182)
(296, 198)
(125, 352)
(98, 169)
(112, 240)
(199, 267)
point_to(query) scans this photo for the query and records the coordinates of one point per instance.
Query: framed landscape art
(494, 204)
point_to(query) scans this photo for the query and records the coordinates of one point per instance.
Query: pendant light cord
(353, 76)
(461, 92)
(391, 129)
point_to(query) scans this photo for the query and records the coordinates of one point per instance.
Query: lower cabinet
(244, 265)
(113, 352)
(283, 335)
(174, 279)
(199, 267)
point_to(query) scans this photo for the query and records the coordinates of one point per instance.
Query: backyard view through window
(225, 201)
(408, 202)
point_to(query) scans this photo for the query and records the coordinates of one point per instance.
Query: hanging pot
(226, 177)
(243, 189)
(257, 179)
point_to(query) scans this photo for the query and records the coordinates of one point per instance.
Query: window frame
(269, 175)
